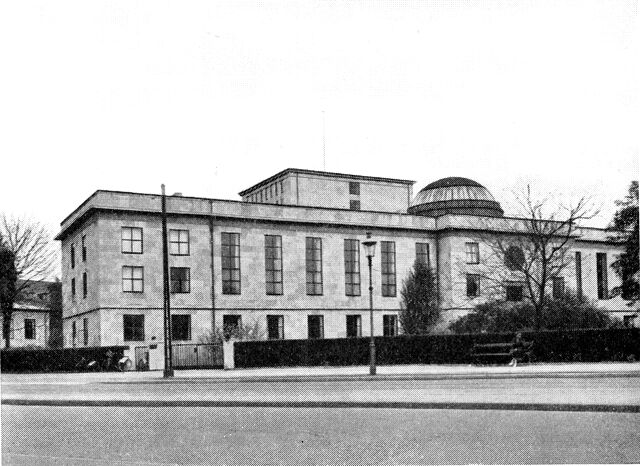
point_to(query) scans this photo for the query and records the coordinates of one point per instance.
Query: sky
(211, 97)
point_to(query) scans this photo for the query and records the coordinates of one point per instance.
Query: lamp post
(168, 366)
(370, 251)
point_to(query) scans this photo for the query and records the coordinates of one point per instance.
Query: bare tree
(532, 250)
(30, 245)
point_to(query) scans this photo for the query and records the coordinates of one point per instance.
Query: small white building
(288, 257)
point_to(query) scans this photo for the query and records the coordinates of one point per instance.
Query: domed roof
(455, 195)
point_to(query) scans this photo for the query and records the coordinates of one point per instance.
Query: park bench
(500, 353)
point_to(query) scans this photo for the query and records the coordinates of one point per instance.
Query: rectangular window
(131, 240)
(354, 326)
(354, 204)
(179, 242)
(352, 267)
(230, 263)
(85, 333)
(73, 287)
(473, 253)
(273, 264)
(275, 327)
(354, 188)
(422, 253)
(132, 279)
(579, 274)
(84, 284)
(29, 329)
(557, 287)
(473, 285)
(514, 292)
(180, 279)
(133, 325)
(314, 266)
(84, 248)
(601, 269)
(390, 325)
(388, 260)
(181, 327)
(231, 325)
(73, 256)
(315, 326)
(73, 333)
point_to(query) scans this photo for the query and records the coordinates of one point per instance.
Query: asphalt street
(34, 435)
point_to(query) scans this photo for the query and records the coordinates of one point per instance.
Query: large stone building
(288, 257)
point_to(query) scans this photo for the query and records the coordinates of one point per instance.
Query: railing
(197, 355)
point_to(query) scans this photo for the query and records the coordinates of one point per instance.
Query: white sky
(212, 97)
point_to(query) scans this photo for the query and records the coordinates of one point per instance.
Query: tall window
(133, 326)
(354, 326)
(231, 324)
(352, 267)
(315, 326)
(84, 248)
(131, 240)
(85, 333)
(388, 259)
(73, 256)
(181, 327)
(314, 266)
(514, 291)
(422, 253)
(84, 284)
(273, 264)
(29, 329)
(390, 325)
(473, 285)
(579, 274)
(275, 327)
(473, 253)
(558, 287)
(230, 263)
(180, 279)
(601, 270)
(179, 242)
(73, 333)
(132, 279)
(73, 287)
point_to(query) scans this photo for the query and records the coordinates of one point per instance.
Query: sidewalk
(397, 372)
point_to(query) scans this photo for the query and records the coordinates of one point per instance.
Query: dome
(455, 195)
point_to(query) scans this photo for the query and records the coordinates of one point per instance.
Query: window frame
(389, 329)
(73, 287)
(578, 264)
(354, 204)
(354, 188)
(423, 251)
(84, 248)
(227, 327)
(313, 266)
(229, 257)
(557, 287)
(512, 286)
(174, 279)
(85, 331)
(472, 250)
(185, 318)
(278, 320)
(388, 284)
(179, 242)
(602, 276)
(352, 278)
(131, 240)
(318, 320)
(353, 322)
(135, 329)
(85, 290)
(132, 279)
(273, 265)
(473, 279)
(73, 256)
(29, 328)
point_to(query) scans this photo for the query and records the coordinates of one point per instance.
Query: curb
(373, 378)
(324, 404)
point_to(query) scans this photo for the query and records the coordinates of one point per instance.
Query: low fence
(61, 359)
(588, 345)
(196, 356)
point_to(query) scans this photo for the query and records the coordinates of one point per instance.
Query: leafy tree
(246, 332)
(567, 312)
(419, 311)
(625, 228)
(8, 280)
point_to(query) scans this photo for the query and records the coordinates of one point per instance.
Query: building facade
(288, 258)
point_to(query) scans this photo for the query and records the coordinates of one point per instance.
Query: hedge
(588, 345)
(60, 359)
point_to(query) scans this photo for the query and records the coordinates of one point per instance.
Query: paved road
(611, 390)
(96, 436)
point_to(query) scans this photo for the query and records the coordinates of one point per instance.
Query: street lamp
(370, 251)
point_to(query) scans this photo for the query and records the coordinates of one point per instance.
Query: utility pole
(168, 367)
